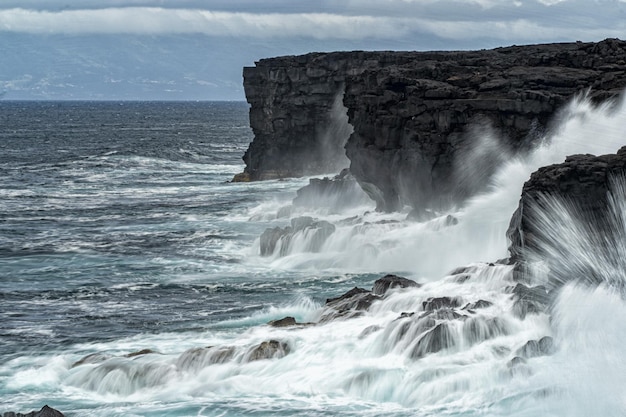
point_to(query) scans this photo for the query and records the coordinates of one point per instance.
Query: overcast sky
(274, 27)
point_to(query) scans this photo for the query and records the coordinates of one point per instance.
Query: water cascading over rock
(571, 221)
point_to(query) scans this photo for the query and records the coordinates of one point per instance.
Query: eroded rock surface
(569, 218)
(419, 118)
(44, 412)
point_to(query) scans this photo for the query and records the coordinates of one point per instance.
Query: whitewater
(131, 280)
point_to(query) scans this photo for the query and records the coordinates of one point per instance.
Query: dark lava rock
(44, 412)
(92, 358)
(582, 186)
(101, 357)
(269, 239)
(435, 303)
(435, 340)
(140, 353)
(350, 304)
(443, 313)
(388, 282)
(368, 331)
(516, 361)
(337, 193)
(530, 300)
(534, 348)
(320, 231)
(478, 329)
(270, 349)
(416, 115)
(284, 322)
(197, 358)
(477, 304)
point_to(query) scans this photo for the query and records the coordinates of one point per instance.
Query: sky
(195, 49)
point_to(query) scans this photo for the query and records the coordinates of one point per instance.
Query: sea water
(120, 232)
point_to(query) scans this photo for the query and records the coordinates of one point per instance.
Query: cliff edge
(424, 129)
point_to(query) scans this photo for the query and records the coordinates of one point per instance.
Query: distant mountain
(121, 67)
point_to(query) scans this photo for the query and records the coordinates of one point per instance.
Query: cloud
(354, 20)
(153, 20)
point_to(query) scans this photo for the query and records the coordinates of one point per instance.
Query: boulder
(436, 303)
(197, 358)
(284, 322)
(351, 304)
(433, 341)
(334, 194)
(270, 349)
(317, 233)
(533, 348)
(44, 412)
(91, 359)
(390, 281)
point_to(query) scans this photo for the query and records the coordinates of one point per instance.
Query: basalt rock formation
(44, 412)
(582, 180)
(429, 128)
(584, 193)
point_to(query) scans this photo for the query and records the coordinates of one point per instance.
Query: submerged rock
(350, 304)
(435, 303)
(140, 353)
(197, 358)
(270, 349)
(433, 341)
(44, 412)
(316, 231)
(534, 348)
(284, 322)
(477, 305)
(337, 193)
(388, 282)
(269, 239)
(91, 359)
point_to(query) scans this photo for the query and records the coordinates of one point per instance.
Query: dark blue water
(114, 219)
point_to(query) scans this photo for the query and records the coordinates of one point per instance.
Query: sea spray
(477, 231)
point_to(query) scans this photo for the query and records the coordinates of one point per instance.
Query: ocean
(127, 259)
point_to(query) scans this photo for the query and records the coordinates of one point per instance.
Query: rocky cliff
(571, 218)
(424, 129)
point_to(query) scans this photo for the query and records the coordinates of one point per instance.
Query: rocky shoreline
(429, 129)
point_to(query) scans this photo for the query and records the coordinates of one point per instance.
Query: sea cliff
(423, 129)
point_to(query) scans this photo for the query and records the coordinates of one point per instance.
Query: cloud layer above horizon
(510, 21)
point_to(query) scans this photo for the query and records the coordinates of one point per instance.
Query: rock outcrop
(427, 125)
(44, 412)
(334, 194)
(390, 281)
(318, 231)
(569, 217)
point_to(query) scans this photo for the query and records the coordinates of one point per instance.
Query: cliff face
(585, 188)
(429, 127)
(570, 218)
(297, 116)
